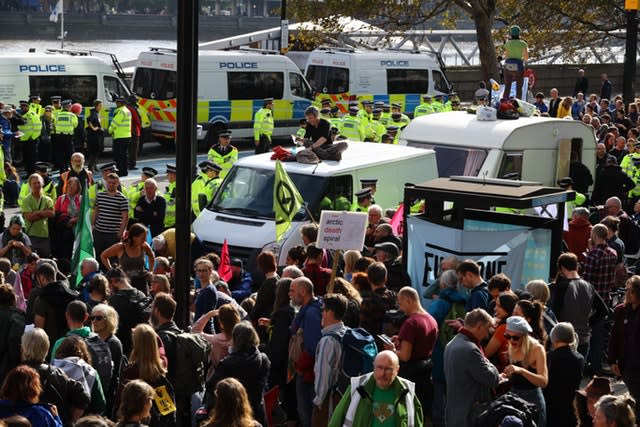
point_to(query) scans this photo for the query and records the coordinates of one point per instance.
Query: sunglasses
(512, 337)
(98, 318)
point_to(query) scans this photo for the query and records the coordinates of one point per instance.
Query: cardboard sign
(342, 230)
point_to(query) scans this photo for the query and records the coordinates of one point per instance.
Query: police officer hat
(363, 194)
(122, 99)
(386, 107)
(226, 133)
(171, 168)
(207, 165)
(41, 166)
(368, 181)
(396, 116)
(426, 96)
(392, 128)
(267, 101)
(48, 108)
(377, 110)
(56, 98)
(439, 95)
(353, 110)
(396, 105)
(109, 167)
(378, 104)
(325, 111)
(388, 247)
(34, 97)
(326, 101)
(149, 171)
(67, 102)
(367, 102)
(565, 182)
(23, 102)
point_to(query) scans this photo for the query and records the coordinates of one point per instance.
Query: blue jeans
(6, 149)
(535, 396)
(304, 393)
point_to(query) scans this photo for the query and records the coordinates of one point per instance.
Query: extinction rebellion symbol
(285, 200)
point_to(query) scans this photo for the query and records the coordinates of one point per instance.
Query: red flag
(397, 220)
(224, 270)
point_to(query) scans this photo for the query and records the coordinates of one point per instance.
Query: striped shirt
(110, 211)
(328, 361)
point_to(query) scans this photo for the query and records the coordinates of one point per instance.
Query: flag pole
(62, 24)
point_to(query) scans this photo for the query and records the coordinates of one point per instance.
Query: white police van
(391, 76)
(242, 209)
(231, 88)
(74, 75)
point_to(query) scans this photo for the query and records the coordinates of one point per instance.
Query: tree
(483, 13)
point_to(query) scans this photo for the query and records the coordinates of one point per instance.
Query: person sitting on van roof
(319, 133)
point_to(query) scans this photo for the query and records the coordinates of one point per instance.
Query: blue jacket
(38, 414)
(439, 310)
(479, 298)
(309, 318)
(5, 125)
(241, 288)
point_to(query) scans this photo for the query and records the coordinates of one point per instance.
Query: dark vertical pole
(284, 28)
(631, 47)
(185, 138)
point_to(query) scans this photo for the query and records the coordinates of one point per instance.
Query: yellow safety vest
(120, 126)
(66, 122)
(351, 128)
(224, 161)
(170, 212)
(263, 123)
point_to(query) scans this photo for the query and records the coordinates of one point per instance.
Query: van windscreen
(157, 84)
(455, 161)
(249, 192)
(81, 89)
(328, 79)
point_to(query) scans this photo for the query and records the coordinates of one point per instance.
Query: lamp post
(631, 48)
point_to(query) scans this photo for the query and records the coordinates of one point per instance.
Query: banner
(83, 244)
(57, 10)
(495, 251)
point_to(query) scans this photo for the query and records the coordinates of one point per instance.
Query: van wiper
(245, 211)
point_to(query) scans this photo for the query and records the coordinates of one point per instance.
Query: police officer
(375, 125)
(223, 153)
(99, 185)
(170, 197)
(424, 108)
(120, 130)
(363, 200)
(136, 127)
(566, 184)
(30, 135)
(367, 111)
(392, 135)
(65, 124)
(397, 117)
(438, 103)
(263, 126)
(205, 186)
(35, 105)
(351, 127)
(372, 184)
(325, 113)
(135, 191)
(48, 189)
(385, 118)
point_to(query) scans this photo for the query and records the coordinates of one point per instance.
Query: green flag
(286, 200)
(83, 243)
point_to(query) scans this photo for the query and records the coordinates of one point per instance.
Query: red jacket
(577, 236)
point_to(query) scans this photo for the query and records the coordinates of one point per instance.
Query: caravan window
(511, 163)
(407, 81)
(155, 84)
(328, 79)
(81, 89)
(255, 85)
(440, 83)
(113, 87)
(453, 161)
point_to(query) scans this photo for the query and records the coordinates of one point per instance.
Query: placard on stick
(342, 230)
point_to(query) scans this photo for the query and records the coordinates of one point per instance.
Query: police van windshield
(455, 161)
(328, 79)
(249, 192)
(152, 83)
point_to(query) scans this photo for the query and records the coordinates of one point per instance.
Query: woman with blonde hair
(232, 407)
(146, 363)
(564, 109)
(350, 257)
(104, 322)
(527, 371)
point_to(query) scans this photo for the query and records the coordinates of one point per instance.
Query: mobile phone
(385, 339)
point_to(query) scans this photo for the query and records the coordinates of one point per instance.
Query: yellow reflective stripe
(202, 111)
(241, 110)
(282, 109)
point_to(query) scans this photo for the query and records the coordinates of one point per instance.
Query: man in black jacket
(130, 303)
(12, 323)
(51, 304)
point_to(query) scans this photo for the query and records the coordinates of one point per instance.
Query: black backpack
(192, 357)
(493, 412)
(141, 310)
(100, 358)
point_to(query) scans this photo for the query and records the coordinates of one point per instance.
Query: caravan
(535, 149)
(231, 88)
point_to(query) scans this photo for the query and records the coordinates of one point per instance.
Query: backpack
(192, 356)
(492, 413)
(358, 351)
(445, 332)
(100, 357)
(141, 310)
(163, 408)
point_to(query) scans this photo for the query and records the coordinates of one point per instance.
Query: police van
(231, 88)
(242, 209)
(391, 76)
(75, 75)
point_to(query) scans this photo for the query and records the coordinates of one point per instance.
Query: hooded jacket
(52, 304)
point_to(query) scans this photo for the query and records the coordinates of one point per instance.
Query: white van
(384, 75)
(74, 75)
(231, 88)
(538, 149)
(242, 209)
